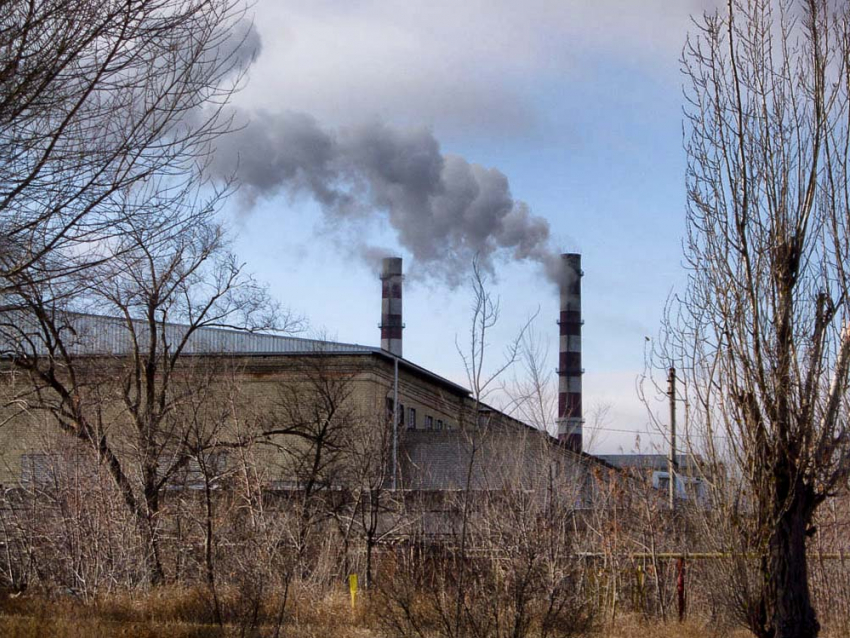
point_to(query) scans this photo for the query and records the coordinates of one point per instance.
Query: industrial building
(438, 437)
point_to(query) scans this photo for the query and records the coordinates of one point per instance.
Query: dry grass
(181, 613)
(61, 627)
(633, 627)
(636, 627)
(154, 615)
(185, 613)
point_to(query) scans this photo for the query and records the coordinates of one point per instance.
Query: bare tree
(116, 381)
(106, 109)
(762, 334)
(482, 382)
(533, 392)
(311, 426)
(107, 116)
(211, 432)
(64, 526)
(376, 507)
(521, 574)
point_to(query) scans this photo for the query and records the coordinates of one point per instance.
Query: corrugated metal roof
(88, 334)
(99, 335)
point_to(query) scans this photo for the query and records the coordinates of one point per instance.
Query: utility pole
(395, 423)
(672, 466)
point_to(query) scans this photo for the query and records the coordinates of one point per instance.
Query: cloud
(470, 66)
(242, 43)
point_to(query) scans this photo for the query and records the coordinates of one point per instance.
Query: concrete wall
(496, 455)
(274, 391)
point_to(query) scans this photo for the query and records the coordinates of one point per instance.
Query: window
(429, 422)
(439, 425)
(390, 410)
(411, 419)
(38, 470)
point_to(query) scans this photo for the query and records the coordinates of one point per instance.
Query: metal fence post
(680, 586)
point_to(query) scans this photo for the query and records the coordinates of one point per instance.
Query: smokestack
(569, 361)
(391, 325)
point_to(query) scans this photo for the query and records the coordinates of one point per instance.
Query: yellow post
(352, 587)
(640, 582)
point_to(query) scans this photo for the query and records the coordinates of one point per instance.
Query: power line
(699, 436)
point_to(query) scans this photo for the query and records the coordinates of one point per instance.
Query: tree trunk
(155, 570)
(209, 549)
(793, 615)
(369, 548)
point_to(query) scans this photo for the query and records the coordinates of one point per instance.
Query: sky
(438, 130)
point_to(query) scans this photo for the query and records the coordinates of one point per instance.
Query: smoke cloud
(444, 209)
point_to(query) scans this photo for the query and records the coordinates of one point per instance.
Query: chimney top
(390, 267)
(572, 261)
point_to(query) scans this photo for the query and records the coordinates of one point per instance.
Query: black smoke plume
(444, 209)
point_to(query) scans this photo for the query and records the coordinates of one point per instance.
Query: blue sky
(579, 104)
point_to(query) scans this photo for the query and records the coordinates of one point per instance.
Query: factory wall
(437, 433)
(272, 391)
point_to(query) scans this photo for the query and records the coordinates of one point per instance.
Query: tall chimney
(391, 325)
(569, 360)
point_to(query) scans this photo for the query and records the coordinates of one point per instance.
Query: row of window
(408, 417)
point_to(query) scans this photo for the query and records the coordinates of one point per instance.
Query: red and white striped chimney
(569, 361)
(391, 325)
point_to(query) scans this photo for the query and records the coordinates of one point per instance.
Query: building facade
(427, 432)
